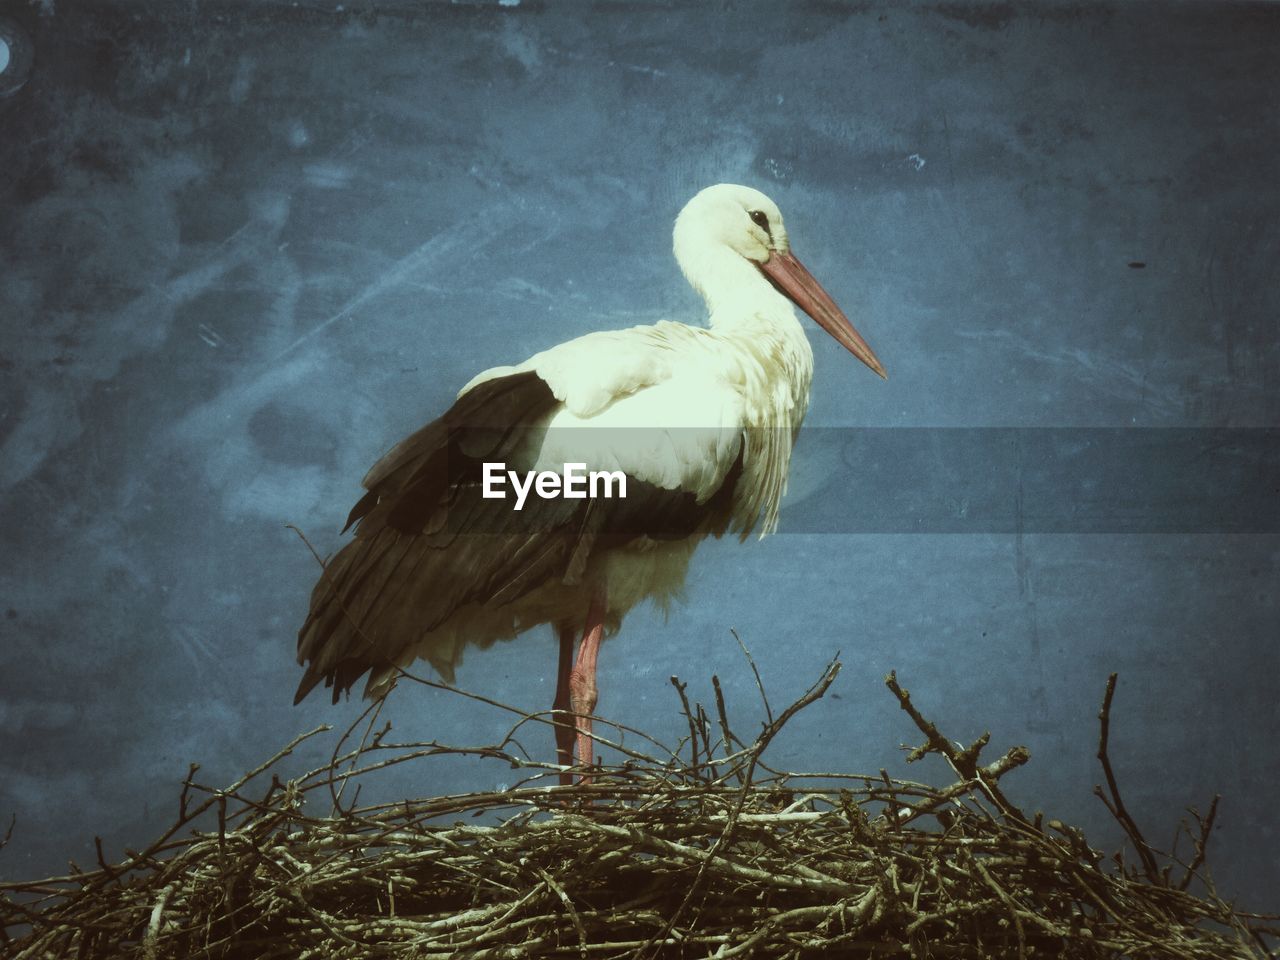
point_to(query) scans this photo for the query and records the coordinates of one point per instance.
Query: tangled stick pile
(704, 851)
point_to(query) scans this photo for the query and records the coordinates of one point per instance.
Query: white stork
(701, 420)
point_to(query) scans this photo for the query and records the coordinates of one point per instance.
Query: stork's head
(727, 223)
(733, 216)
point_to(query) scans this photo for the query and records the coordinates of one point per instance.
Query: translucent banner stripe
(1039, 480)
(912, 480)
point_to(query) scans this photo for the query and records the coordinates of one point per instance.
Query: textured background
(247, 246)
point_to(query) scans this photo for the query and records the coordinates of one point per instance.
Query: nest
(703, 850)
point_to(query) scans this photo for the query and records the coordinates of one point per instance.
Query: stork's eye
(761, 220)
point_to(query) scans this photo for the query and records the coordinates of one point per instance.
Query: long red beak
(793, 279)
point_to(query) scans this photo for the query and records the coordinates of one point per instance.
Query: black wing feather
(427, 543)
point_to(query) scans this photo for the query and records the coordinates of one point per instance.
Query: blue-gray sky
(246, 247)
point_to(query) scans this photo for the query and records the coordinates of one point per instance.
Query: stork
(699, 420)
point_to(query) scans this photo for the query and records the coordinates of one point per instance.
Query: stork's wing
(428, 543)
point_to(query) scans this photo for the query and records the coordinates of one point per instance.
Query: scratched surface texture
(246, 246)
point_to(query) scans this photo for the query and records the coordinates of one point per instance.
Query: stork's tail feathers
(331, 643)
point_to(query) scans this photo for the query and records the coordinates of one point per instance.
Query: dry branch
(699, 851)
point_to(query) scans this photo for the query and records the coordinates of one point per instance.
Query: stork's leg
(582, 680)
(561, 707)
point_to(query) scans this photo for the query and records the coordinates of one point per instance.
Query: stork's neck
(764, 351)
(737, 294)
(746, 309)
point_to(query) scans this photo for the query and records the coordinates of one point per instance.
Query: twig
(1201, 842)
(688, 714)
(963, 762)
(764, 697)
(1116, 806)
